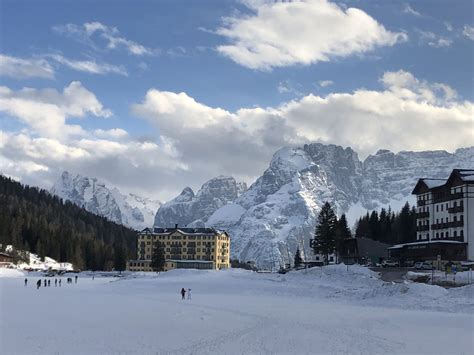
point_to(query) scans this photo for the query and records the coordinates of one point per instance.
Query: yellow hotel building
(185, 248)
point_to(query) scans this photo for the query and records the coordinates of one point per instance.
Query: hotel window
(446, 206)
(461, 203)
(437, 235)
(442, 234)
(447, 234)
(455, 234)
(461, 233)
(441, 207)
(461, 218)
(455, 219)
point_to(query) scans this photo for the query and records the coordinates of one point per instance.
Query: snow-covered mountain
(189, 209)
(277, 213)
(92, 194)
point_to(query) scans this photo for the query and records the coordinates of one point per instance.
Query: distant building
(445, 219)
(186, 248)
(5, 259)
(363, 250)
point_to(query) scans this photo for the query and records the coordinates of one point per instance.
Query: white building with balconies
(445, 215)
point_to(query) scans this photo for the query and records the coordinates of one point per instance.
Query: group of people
(183, 293)
(47, 283)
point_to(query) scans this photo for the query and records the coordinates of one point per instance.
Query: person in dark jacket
(49, 283)
(45, 282)
(26, 282)
(55, 282)
(38, 284)
(183, 293)
(59, 282)
(76, 279)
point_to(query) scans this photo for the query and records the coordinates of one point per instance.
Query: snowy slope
(328, 310)
(277, 213)
(92, 194)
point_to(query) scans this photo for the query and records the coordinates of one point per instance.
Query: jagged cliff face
(92, 194)
(189, 209)
(277, 213)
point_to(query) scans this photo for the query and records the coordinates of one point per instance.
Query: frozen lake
(329, 310)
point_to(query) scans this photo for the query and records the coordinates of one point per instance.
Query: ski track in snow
(324, 311)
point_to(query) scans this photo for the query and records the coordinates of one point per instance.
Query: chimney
(176, 226)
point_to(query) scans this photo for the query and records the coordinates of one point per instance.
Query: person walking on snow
(38, 284)
(49, 283)
(76, 279)
(59, 282)
(55, 282)
(26, 282)
(183, 293)
(45, 283)
(189, 293)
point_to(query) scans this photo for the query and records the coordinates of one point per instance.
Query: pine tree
(158, 257)
(342, 232)
(324, 238)
(120, 259)
(374, 226)
(298, 259)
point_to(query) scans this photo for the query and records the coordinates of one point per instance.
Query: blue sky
(224, 56)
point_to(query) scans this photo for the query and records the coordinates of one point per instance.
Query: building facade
(363, 250)
(188, 248)
(445, 218)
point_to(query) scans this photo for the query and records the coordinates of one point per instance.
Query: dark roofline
(454, 173)
(185, 231)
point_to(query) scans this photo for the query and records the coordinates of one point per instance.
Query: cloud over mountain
(278, 34)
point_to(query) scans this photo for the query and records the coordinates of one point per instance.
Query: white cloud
(278, 34)
(115, 133)
(287, 87)
(20, 68)
(468, 31)
(196, 142)
(434, 40)
(111, 35)
(409, 10)
(89, 66)
(407, 113)
(325, 83)
(46, 111)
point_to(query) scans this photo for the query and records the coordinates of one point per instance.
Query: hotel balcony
(447, 225)
(456, 209)
(422, 215)
(423, 228)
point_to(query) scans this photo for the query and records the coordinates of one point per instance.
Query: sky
(153, 96)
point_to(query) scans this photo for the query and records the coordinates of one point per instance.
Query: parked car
(423, 265)
(390, 263)
(418, 265)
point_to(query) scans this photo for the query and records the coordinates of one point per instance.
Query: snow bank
(4, 272)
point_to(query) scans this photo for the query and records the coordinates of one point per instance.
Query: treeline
(387, 226)
(32, 219)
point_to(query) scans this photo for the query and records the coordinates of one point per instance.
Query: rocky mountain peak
(96, 197)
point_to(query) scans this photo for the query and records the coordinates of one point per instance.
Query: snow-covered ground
(323, 310)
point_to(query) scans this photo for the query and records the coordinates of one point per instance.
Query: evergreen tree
(374, 227)
(342, 232)
(298, 259)
(324, 238)
(120, 258)
(158, 257)
(33, 220)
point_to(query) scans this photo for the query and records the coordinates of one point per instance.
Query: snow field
(323, 311)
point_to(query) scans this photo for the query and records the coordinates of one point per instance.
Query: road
(391, 274)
